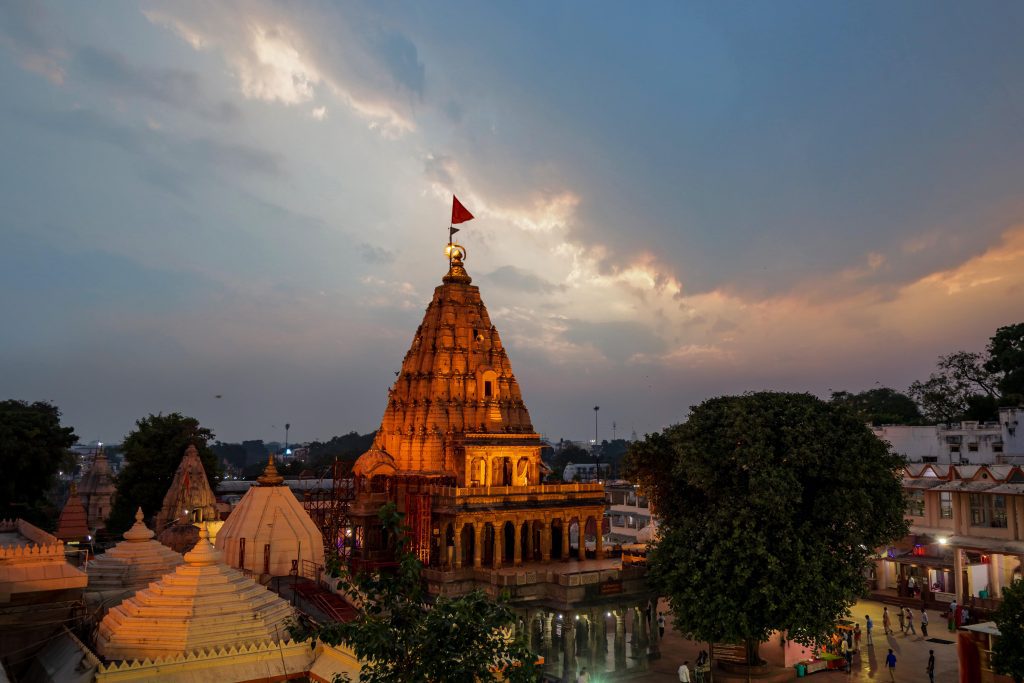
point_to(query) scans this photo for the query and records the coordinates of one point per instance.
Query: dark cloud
(25, 27)
(400, 58)
(376, 255)
(513, 277)
(175, 87)
(617, 341)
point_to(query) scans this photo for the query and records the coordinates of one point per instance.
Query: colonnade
(497, 540)
(589, 635)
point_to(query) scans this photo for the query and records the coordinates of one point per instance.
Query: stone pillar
(654, 648)
(457, 560)
(530, 615)
(499, 543)
(565, 541)
(478, 544)
(958, 574)
(995, 575)
(599, 554)
(545, 541)
(517, 547)
(548, 619)
(592, 652)
(620, 639)
(581, 551)
(529, 541)
(569, 648)
(644, 629)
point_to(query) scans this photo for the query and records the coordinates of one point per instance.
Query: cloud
(376, 255)
(617, 341)
(175, 87)
(519, 279)
(291, 57)
(25, 28)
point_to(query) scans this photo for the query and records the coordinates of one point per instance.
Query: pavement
(868, 665)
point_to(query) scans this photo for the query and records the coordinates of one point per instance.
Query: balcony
(518, 496)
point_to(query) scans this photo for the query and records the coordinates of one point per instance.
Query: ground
(869, 665)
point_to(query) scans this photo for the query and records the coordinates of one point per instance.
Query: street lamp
(287, 426)
(597, 448)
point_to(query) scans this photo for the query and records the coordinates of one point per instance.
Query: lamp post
(287, 426)
(597, 447)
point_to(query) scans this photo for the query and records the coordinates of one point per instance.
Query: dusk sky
(238, 210)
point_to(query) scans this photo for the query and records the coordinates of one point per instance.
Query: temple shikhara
(457, 453)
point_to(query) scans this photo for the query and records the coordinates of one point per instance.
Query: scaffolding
(327, 501)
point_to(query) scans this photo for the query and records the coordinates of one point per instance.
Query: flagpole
(451, 234)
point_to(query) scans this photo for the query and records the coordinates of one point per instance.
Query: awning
(987, 545)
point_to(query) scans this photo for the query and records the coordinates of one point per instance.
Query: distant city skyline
(238, 211)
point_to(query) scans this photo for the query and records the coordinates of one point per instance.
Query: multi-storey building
(960, 443)
(966, 536)
(628, 512)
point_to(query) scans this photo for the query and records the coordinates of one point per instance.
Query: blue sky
(673, 200)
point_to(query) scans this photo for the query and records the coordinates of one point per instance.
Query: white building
(963, 443)
(587, 471)
(628, 512)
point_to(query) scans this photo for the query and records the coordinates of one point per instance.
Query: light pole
(597, 448)
(287, 426)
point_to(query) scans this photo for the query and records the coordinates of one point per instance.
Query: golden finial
(456, 253)
(270, 477)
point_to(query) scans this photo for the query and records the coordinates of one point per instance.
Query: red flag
(460, 214)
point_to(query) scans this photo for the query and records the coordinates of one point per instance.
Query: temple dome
(271, 528)
(133, 563)
(374, 462)
(189, 499)
(201, 605)
(72, 524)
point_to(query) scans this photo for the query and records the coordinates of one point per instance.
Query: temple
(72, 525)
(457, 453)
(131, 565)
(188, 500)
(97, 491)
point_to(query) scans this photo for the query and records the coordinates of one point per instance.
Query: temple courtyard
(868, 665)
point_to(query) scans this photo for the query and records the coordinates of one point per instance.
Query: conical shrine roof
(203, 604)
(133, 563)
(99, 479)
(269, 515)
(189, 498)
(456, 380)
(72, 524)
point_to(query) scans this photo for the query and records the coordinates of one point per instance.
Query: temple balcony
(537, 495)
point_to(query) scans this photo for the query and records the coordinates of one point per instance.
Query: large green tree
(879, 406)
(400, 638)
(33, 447)
(1008, 653)
(771, 507)
(152, 453)
(1006, 357)
(961, 388)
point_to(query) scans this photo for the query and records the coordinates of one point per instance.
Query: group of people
(701, 669)
(906, 618)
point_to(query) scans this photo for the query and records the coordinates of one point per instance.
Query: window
(997, 446)
(954, 449)
(488, 389)
(988, 511)
(915, 503)
(946, 504)
(973, 447)
(999, 511)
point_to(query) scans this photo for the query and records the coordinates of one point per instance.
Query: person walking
(930, 668)
(924, 623)
(910, 623)
(684, 672)
(847, 652)
(856, 637)
(903, 628)
(886, 621)
(890, 664)
(661, 624)
(869, 626)
(952, 615)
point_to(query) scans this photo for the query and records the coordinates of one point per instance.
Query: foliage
(152, 453)
(879, 406)
(948, 394)
(399, 638)
(33, 447)
(1008, 653)
(771, 507)
(1006, 358)
(347, 447)
(568, 453)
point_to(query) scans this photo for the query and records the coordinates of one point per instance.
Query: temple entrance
(488, 549)
(468, 542)
(508, 535)
(556, 539)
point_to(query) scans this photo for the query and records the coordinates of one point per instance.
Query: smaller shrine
(202, 605)
(269, 533)
(189, 500)
(97, 491)
(72, 526)
(133, 563)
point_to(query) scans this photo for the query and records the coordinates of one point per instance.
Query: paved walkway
(868, 665)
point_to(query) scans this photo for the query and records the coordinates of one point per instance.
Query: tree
(771, 507)
(1008, 653)
(400, 639)
(879, 406)
(963, 383)
(152, 453)
(1006, 358)
(33, 447)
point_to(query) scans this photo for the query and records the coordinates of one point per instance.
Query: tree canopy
(771, 507)
(1008, 653)
(152, 453)
(879, 406)
(33, 447)
(1006, 359)
(399, 638)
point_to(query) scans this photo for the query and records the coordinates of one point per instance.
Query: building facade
(960, 443)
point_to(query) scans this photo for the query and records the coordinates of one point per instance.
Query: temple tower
(97, 491)
(188, 500)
